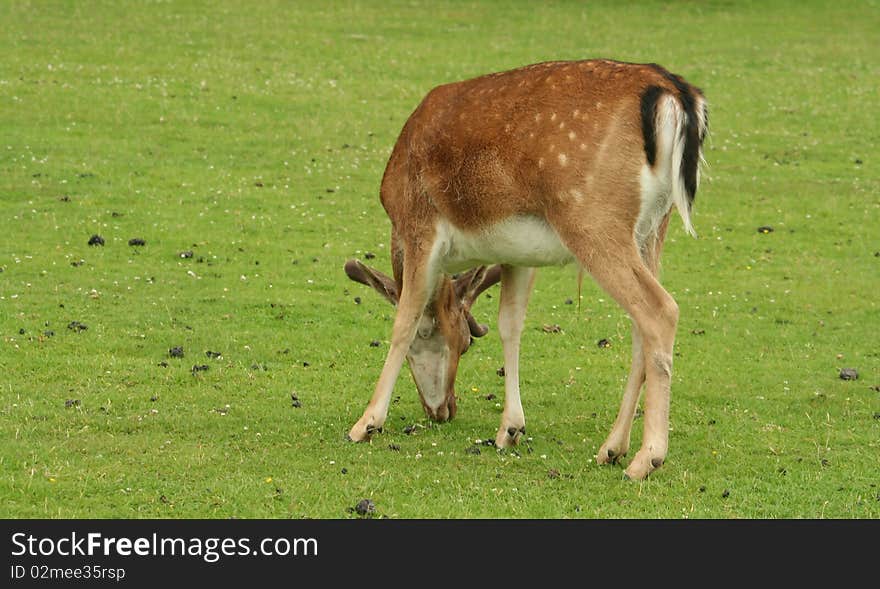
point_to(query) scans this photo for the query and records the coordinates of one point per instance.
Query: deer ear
(381, 283)
(472, 283)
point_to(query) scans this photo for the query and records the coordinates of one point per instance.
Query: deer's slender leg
(619, 268)
(516, 284)
(656, 314)
(617, 443)
(419, 280)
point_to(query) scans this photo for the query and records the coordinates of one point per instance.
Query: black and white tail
(674, 125)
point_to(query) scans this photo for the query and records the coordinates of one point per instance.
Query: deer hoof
(509, 436)
(643, 465)
(363, 429)
(609, 454)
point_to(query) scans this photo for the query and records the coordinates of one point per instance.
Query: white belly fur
(520, 241)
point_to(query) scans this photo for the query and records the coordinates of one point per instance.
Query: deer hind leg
(419, 280)
(619, 268)
(616, 445)
(516, 284)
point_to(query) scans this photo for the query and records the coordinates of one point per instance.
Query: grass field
(254, 136)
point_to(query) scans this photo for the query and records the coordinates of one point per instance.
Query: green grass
(255, 135)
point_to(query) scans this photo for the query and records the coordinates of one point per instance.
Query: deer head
(445, 330)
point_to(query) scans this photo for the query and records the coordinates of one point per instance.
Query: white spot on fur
(563, 159)
(572, 135)
(553, 117)
(541, 162)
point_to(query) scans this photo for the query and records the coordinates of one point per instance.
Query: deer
(549, 164)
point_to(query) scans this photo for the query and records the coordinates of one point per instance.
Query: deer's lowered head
(444, 333)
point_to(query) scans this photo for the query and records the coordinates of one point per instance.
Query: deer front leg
(418, 282)
(516, 285)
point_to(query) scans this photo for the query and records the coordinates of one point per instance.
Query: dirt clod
(72, 403)
(394, 447)
(375, 343)
(294, 400)
(765, 229)
(725, 494)
(213, 355)
(369, 255)
(77, 326)
(136, 241)
(96, 240)
(603, 343)
(698, 331)
(500, 371)
(365, 507)
(475, 450)
(547, 328)
(176, 352)
(849, 374)
(199, 368)
(553, 474)
(185, 254)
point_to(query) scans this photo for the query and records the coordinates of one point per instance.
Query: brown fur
(561, 142)
(485, 149)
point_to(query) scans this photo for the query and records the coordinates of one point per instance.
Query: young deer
(547, 164)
